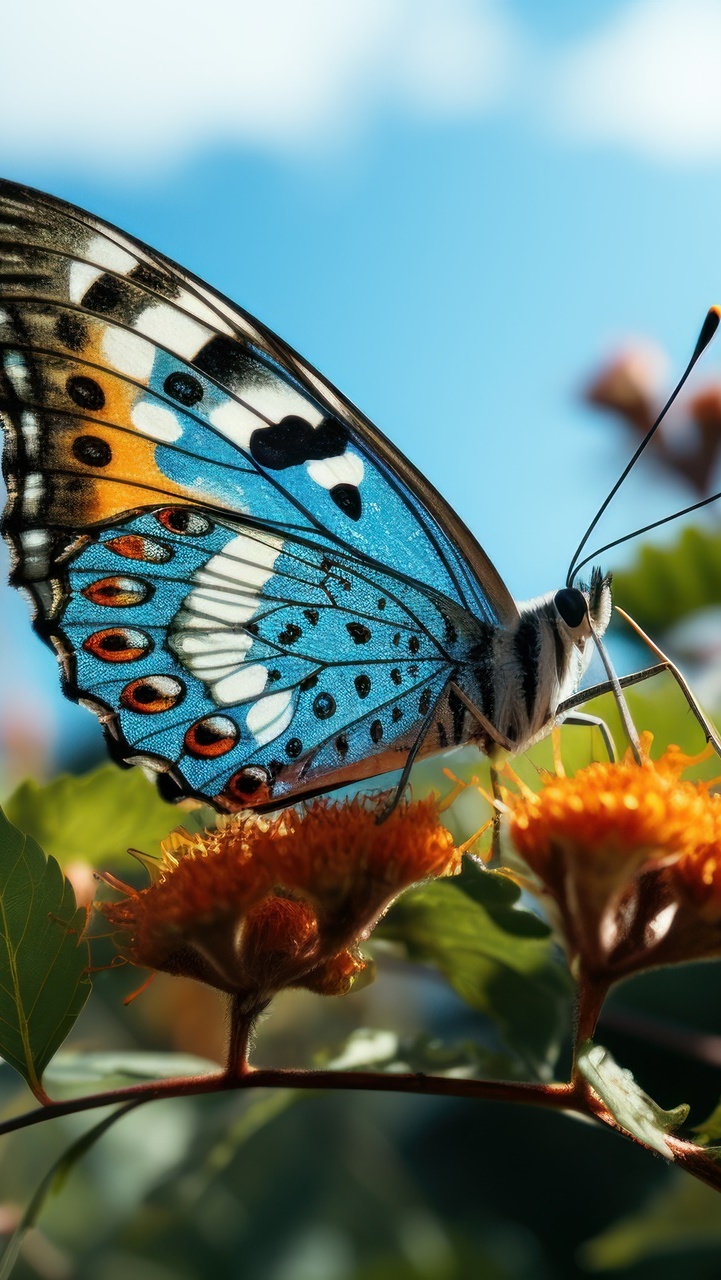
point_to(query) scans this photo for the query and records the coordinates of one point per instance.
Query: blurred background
(494, 225)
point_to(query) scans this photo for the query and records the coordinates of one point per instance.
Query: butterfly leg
(594, 722)
(496, 829)
(412, 757)
(637, 677)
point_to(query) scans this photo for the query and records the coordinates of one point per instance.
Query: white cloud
(649, 80)
(145, 82)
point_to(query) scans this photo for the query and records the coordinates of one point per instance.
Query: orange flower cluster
(259, 904)
(629, 857)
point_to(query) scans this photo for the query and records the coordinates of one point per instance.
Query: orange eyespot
(249, 786)
(134, 547)
(118, 644)
(183, 520)
(118, 592)
(152, 694)
(211, 736)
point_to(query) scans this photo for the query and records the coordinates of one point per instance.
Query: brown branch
(697, 1161)
(560, 1096)
(577, 1097)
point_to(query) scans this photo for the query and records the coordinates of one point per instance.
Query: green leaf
(498, 962)
(710, 1130)
(372, 1049)
(44, 979)
(53, 1182)
(665, 584)
(99, 815)
(630, 1106)
(683, 1215)
(499, 896)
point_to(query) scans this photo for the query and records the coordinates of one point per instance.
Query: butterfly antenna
(646, 528)
(708, 329)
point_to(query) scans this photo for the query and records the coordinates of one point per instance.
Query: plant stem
(560, 1096)
(696, 1161)
(242, 1022)
(576, 1096)
(592, 992)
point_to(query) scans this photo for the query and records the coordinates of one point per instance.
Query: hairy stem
(242, 1022)
(540, 1095)
(576, 1096)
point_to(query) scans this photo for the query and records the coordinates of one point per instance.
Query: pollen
(262, 903)
(628, 857)
(615, 814)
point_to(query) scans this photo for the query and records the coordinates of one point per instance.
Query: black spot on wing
(358, 632)
(348, 500)
(292, 441)
(71, 331)
(92, 451)
(86, 393)
(184, 388)
(105, 294)
(149, 278)
(225, 361)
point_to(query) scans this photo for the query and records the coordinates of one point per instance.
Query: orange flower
(629, 855)
(259, 904)
(697, 877)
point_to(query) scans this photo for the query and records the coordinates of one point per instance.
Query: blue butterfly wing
(253, 588)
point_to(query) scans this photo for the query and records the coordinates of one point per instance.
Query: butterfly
(257, 594)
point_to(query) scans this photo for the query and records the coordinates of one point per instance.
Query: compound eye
(571, 604)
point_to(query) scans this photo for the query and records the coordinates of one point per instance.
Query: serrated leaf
(499, 966)
(628, 1104)
(665, 584)
(44, 964)
(99, 815)
(683, 1215)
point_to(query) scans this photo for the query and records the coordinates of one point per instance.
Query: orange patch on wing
(131, 480)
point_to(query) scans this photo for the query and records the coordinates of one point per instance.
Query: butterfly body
(256, 592)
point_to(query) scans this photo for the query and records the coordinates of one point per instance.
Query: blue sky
(456, 209)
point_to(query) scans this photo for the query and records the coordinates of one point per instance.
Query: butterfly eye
(571, 605)
(182, 520)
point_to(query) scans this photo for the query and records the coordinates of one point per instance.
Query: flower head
(259, 904)
(629, 855)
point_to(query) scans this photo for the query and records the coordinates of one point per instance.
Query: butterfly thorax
(517, 676)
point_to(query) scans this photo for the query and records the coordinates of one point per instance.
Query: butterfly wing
(186, 496)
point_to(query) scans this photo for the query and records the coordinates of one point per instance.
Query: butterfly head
(584, 612)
